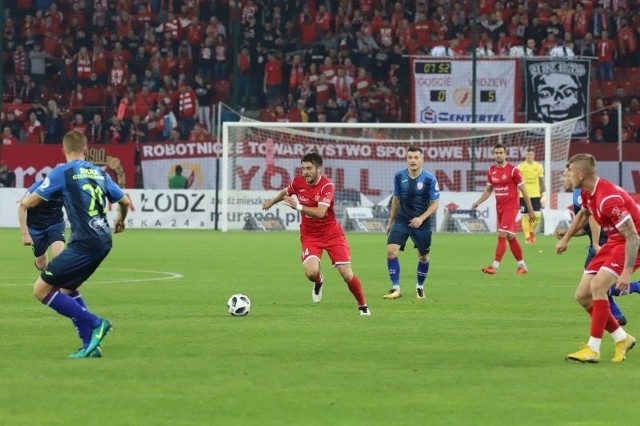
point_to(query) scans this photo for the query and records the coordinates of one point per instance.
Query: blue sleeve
(434, 190)
(52, 186)
(396, 184)
(114, 193)
(33, 187)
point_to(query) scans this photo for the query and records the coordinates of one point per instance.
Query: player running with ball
(319, 229)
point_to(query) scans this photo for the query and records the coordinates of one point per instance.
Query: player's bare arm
(485, 194)
(543, 189)
(628, 230)
(578, 224)
(22, 219)
(266, 205)
(123, 209)
(416, 222)
(317, 212)
(395, 205)
(527, 202)
(560, 233)
(30, 201)
(595, 231)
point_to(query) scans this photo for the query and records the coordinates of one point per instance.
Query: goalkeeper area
(259, 159)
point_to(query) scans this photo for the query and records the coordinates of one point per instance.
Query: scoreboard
(443, 90)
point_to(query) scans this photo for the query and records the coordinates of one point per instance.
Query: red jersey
(505, 181)
(311, 196)
(611, 205)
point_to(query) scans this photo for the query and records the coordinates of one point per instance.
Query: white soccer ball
(239, 305)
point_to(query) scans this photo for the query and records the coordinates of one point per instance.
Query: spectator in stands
(608, 128)
(33, 130)
(13, 124)
(205, 93)
(136, 130)
(606, 53)
(168, 121)
(115, 133)
(78, 124)
(7, 176)
(199, 134)
(627, 42)
(342, 86)
(243, 77)
(174, 136)
(97, 131)
(273, 77)
(37, 63)
(587, 46)
(8, 138)
(187, 108)
(29, 90)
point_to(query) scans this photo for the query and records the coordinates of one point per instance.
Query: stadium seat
(608, 89)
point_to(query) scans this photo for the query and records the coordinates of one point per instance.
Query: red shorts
(611, 258)
(507, 220)
(336, 247)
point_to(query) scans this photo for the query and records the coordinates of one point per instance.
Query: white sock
(521, 263)
(495, 264)
(619, 335)
(594, 344)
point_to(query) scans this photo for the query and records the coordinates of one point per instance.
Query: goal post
(259, 159)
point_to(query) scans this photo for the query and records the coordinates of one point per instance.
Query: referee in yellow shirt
(533, 174)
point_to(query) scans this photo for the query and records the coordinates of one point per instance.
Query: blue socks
(67, 306)
(423, 270)
(84, 331)
(393, 265)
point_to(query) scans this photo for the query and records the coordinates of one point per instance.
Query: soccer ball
(239, 305)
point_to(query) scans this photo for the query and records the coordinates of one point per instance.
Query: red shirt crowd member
(83, 64)
(506, 180)
(619, 217)
(319, 229)
(187, 102)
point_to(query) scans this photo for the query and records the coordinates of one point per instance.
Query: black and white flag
(557, 90)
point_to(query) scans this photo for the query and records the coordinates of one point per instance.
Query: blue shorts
(421, 237)
(73, 267)
(43, 238)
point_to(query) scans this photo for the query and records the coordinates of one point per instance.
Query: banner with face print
(556, 90)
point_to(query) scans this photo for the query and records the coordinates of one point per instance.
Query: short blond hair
(586, 163)
(74, 142)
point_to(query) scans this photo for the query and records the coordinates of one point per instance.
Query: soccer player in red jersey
(619, 217)
(506, 180)
(319, 229)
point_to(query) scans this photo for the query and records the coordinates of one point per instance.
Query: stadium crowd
(132, 71)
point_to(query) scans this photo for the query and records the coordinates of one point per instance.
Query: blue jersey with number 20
(84, 189)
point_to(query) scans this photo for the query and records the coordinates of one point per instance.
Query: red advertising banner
(30, 162)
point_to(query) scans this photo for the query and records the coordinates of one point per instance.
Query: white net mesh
(361, 159)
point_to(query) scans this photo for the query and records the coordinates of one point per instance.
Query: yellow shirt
(532, 174)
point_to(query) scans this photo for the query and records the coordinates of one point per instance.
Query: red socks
(516, 249)
(501, 248)
(356, 289)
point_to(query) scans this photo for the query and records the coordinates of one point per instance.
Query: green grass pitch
(481, 350)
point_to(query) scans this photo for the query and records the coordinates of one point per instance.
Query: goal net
(259, 159)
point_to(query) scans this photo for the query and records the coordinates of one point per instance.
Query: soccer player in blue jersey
(42, 228)
(634, 286)
(84, 189)
(415, 199)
